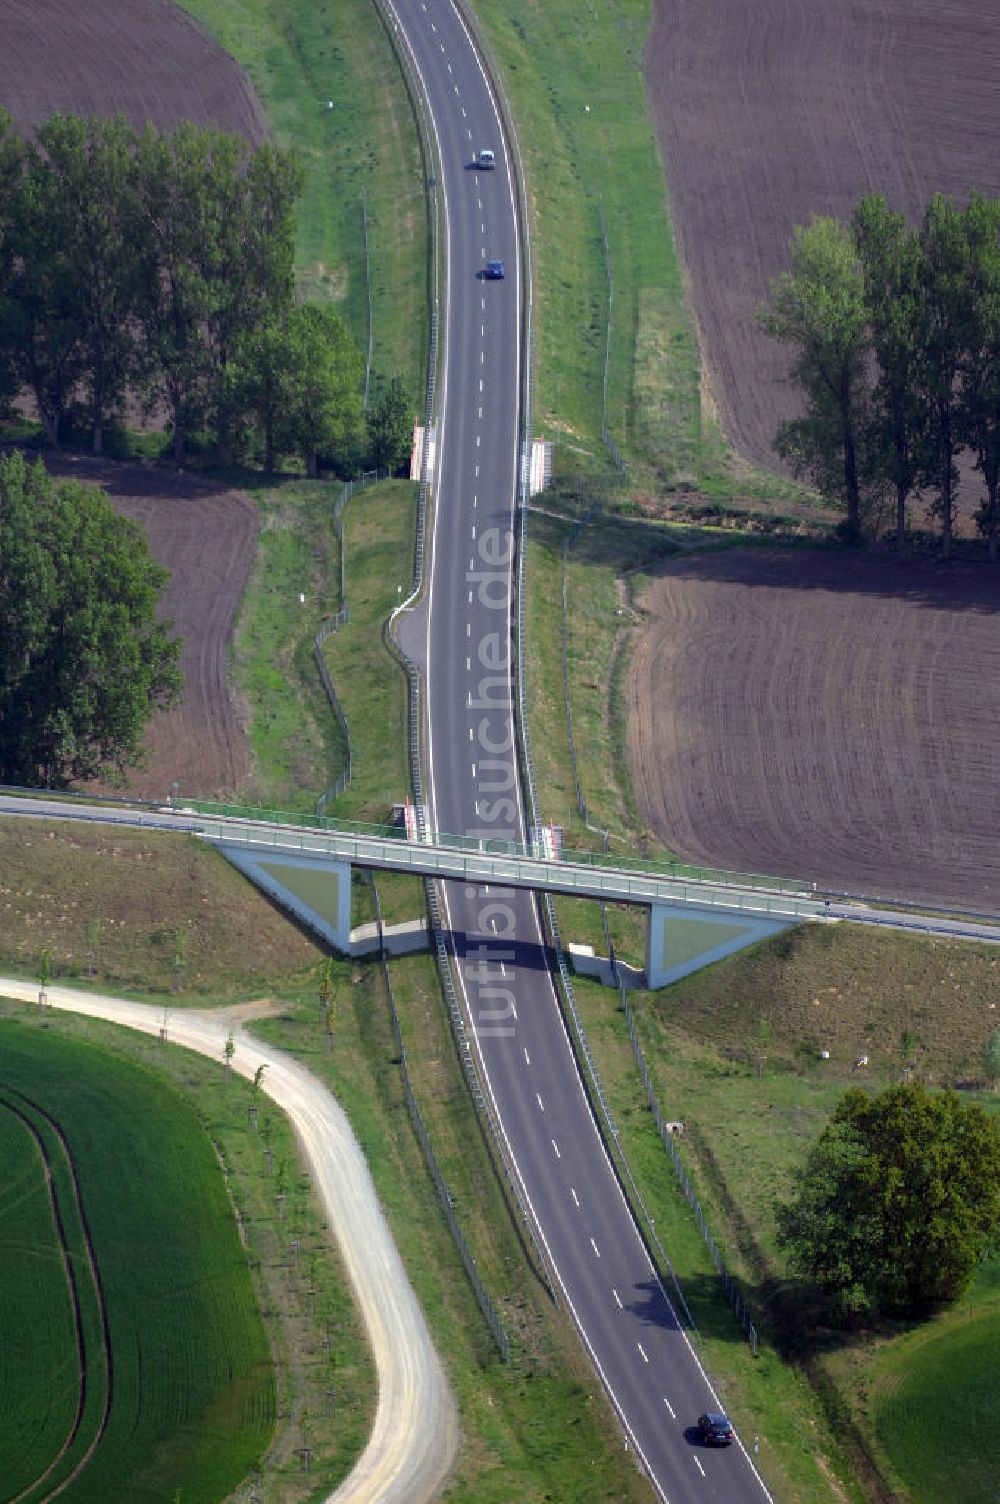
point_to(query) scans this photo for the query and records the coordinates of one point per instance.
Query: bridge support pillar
(683, 938)
(315, 889)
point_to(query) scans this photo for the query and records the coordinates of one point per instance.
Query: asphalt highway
(607, 1282)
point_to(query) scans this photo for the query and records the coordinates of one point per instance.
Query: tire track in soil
(828, 716)
(6, 1093)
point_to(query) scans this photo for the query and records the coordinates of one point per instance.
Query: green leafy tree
(944, 334)
(248, 254)
(390, 427)
(897, 1203)
(890, 256)
(818, 310)
(979, 413)
(83, 661)
(174, 305)
(44, 307)
(325, 369)
(92, 171)
(297, 384)
(260, 385)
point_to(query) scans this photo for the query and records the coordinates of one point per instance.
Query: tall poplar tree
(944, 333)
(890, 256)
(92, 168)
(979, 417)
(818, 309)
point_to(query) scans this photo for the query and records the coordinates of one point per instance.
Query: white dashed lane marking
(527, 1057)
(594, 1246)
(539, 1101)
(556, 1148)
(669, 1407)
(576, 1199)
(642, 1352)
(618, 1299)
(699, 1467)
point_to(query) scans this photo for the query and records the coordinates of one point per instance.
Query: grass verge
(379, 529)
(296, 745)
(332, 89)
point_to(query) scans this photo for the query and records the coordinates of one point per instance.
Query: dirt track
(206, 537)
(771, 111)
(145, 59)
(826, 716)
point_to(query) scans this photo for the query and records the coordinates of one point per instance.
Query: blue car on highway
(494, 271)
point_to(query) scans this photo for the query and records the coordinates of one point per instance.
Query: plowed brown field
(768, 111)
(145, 59)
(206, 537)
(827, 716)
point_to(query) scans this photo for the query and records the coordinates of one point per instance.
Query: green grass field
(935, 1401)
(192, 1390)
(41, 1372)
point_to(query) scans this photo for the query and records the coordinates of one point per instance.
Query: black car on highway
(715, 1429)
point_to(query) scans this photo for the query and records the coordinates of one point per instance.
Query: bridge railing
(662, 868)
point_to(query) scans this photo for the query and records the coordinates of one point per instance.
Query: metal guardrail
(486, 1305)
(475, 862)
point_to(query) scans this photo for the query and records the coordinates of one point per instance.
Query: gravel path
(415, 1435)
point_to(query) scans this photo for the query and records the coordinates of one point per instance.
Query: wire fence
(613, 449)
(333, 623)
(568, 543)
(669, 1140)
(486, 1305)
(368, 285)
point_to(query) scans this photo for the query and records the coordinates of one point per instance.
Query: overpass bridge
(696, 915)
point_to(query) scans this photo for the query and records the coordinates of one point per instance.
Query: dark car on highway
(494, 271)
(715, 1429)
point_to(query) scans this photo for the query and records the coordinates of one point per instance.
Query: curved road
(414, 1438)
(606, 1278)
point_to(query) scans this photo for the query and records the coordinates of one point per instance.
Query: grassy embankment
(177, 1389)
(574, 77)
(300, 56)
(735, 1053)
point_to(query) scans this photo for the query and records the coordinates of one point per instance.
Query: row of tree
(159, 270)
(894, 335)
